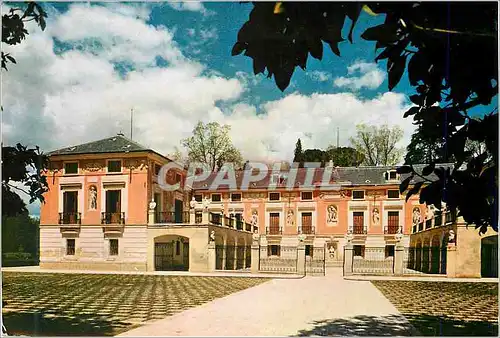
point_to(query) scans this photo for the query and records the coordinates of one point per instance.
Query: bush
(10, 259)
(16, 256)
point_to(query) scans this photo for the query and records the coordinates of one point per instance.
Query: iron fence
(214, 218)
(248, 257)
(230, 257)
(219, 257)
(428, 260)
(164, 256)
(373, 261)
(282, 259)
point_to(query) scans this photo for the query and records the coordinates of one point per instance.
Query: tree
(313, 155)
(13, 29)
(378, 144)
(344, 156)
(21, 166)
(450, 51)
(212, 146)
(297, 154)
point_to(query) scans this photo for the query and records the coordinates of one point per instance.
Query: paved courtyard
(446, 308)
(99, 304)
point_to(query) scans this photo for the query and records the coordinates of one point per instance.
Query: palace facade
(105, 210)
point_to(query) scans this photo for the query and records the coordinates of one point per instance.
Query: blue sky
(171, 62)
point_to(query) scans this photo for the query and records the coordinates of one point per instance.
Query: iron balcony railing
(171, 217)
(306, 230)
(359, 230)
(428, 224)
(112, 218)
(421, 226)
(70, 217)
(248, 227)
(239, 224)
(391, 229)
(198, 218)
(229, 221)
(414, 228)
(273, 231)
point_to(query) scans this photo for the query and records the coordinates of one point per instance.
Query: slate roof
(114, 144)
(345, 176)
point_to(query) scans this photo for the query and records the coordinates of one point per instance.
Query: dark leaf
(404, 185)
(397, 71)
(414, 190)
(428, 169)
(406, 169)
(238, 48)
(11, 59)
(384, 34)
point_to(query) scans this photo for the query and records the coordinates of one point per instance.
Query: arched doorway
(435, 255)
(426, 255)
(171, 253)
(444, 254)
(489, 256)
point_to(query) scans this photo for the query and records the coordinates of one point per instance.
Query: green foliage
(22, 170)
(297, 154)
(13, 26)
(20, 237)
(210, 144)
(378, 144)
(450, 50)
(344, 156)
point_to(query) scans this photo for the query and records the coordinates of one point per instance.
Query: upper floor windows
(157, 169)
(216, 198)
(114, 166)
(393, 193)
(198, 198)
(358, 194)
(236, 197)
(274, 196)
(306, 195)
(71, 168)
(391, 175)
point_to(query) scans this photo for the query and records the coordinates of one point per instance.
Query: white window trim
(366, 223)
(268, 221)
(393, 198)
(212, 197)
(114, 172)
(359, 199)
(386, 217)
(81, 197)
(389, 175)
(201, 195)
(124, 197)
(71, 174)
(274, 192)
(66, 248)
(312, 195)
(109, 248)
(313, 219)
(237, 193)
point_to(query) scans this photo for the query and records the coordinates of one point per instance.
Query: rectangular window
(389, 251)
(309, 250)
(393, 218)
(113, 247)
(197, 198)
(358, 194)
(70, 246)
(274, 223)
(216, 198)
(393, 175)
(307, 195)
(157, 169)
(393, 193)
(236, 197)
(359, 250)
(274, 196)
(274, 250)
(177, 248)
(114, 166)
(71, 168)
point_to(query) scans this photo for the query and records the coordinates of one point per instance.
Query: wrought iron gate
(248, 257)
(275, 258)
(230, 257)
(219, 257)
(315, 262)
(164, 256)
(240, 257)
(372, 260)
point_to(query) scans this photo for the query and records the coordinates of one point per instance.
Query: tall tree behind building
(378, 144)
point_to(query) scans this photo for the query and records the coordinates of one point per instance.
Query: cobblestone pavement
(446, 309)
(85, 304)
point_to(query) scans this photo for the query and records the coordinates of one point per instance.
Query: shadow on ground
(58, 324)
(360, 326)
(397, 326)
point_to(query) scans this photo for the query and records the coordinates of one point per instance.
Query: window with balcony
(114, 166)
(274, 223)
(216, 197)
(274, 196)
(71, 168)
(358, 194)
(113, 213)
(198, 197)
(393, 193)
(236, 197)
(392, 222)
(359, 250)
(358, 221)
(70, 214)
(70, 246)
(113, 247)
(306, 195)
(307, 223)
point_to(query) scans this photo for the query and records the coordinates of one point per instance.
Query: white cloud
(191, 6)
(369, 76)
(319, 76)
(75, 96)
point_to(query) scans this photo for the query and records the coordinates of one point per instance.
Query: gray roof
(114, 144)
